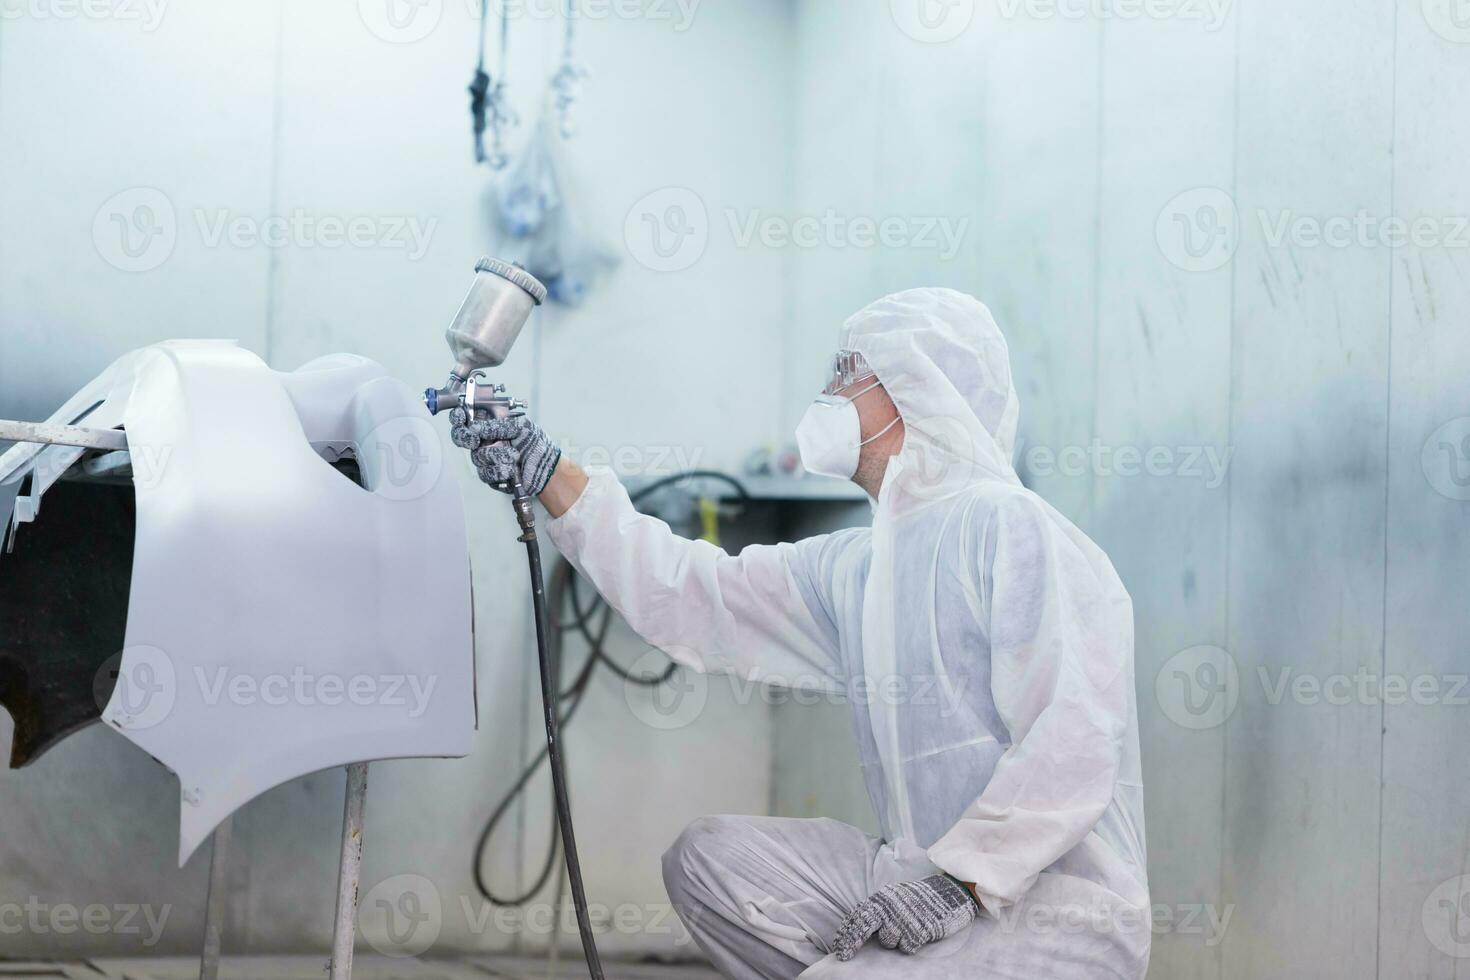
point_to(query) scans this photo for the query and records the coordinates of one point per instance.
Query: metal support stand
(348, 873)
(49, 433)
(214, 901)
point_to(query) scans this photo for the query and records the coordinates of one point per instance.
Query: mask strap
(836, 400)
(881, 431)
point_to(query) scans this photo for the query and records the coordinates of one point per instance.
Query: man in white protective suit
(1011, 804)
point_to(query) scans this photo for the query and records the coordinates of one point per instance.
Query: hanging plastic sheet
(532, 208)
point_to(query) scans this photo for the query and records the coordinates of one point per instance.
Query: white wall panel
(105, 192)
(1038, 239)
(1424, 923)
(1308, 416)
(833, 170)
(1163, 401)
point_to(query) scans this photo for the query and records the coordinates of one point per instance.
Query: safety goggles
(848, 368)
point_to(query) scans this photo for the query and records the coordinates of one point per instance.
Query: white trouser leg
(763, 896)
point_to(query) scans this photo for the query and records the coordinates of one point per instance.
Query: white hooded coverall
(985, 645)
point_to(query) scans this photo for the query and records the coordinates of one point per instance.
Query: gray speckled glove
(503, 449)
(907, 915)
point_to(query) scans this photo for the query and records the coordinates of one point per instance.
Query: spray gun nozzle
(443, 399)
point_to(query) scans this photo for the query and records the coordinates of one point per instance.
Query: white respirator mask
(830, 435)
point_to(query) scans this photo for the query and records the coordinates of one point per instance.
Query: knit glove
(907, 915)
(506, 449)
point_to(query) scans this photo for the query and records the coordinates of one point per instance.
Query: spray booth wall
(1184, 221)
(1262, 427)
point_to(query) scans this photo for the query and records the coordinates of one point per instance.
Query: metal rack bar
(52, 434)
(214, 902)
(349, 872)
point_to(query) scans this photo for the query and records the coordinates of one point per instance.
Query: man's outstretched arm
(760, 614)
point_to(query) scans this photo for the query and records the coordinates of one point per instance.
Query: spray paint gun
(490, 319)
(499, 303)
(481, 336)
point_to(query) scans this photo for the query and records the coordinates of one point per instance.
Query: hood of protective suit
(943, 361)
